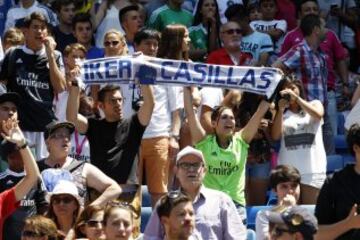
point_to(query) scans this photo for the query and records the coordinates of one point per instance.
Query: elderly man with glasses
(215, 213)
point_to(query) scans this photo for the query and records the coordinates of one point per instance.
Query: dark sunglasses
(94, 223)
(112, 43)
(233, 31)
(278, 232)
(187, 166)
(31, 234)
(65, 200)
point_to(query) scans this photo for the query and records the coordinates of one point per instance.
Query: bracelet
(24, 145)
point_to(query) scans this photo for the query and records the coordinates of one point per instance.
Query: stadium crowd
(79, 161)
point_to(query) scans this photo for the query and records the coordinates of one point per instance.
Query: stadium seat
(145, 216)
(251, 212)
(146, 198)
(340, 144)
(340, 123)
(348, 159)
(334, 162)
(272, 198)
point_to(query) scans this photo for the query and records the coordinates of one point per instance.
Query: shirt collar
(30, 51)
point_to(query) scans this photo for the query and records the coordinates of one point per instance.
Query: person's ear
(356, 148)
(100, 105)
(164, 220)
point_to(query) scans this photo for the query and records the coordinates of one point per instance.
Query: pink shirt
(287, 11)
(331, 46)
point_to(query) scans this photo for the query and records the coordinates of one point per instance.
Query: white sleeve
(261, 225)
(175, 98)
(211, 97)
(282, 25)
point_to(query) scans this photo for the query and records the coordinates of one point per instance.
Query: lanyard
(78, 148)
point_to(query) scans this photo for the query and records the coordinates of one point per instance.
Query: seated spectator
(170, 13)
(39, 227)
(13, 37)
(16, 15)
(215, 213)
(258, 44)
(85, 175)
(64, 207)
(298, 124)
(230, 54)
(118, 221)
(268, 24)
(226, 169)
(205, 29)
(10, 199)
(130, 21)
(292, 223)
(285, 182)
(63, 33)
(89, 225)
(337, 205)
(176, 214)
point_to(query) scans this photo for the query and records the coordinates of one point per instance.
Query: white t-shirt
(211, 97)
(80, 148)
(167, 100)
(60, 103)
(302, 143)
(264, 26)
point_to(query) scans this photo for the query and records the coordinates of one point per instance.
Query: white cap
(190, 151)
(64, 187)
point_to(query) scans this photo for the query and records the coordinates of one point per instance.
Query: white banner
(149, 70)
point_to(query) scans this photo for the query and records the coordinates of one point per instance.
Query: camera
(286, 96)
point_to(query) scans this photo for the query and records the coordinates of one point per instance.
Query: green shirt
(225, 167)
(164, 16)
(198, 36)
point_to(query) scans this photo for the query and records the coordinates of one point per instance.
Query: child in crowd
(285, 182)
(275, 28)
(254, 12)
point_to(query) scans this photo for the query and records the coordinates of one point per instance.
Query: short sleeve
(8, 203)
(266, 43)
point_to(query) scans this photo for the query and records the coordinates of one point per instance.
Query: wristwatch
(24, 145)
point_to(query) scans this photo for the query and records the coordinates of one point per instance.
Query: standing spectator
(37, 77)
(9, 199)
(176, 214)
(258, 44)
(83, 32)
(170, 13)
(308, 62)
(215, 213)
(275, 28)
(16, 16)
(159, 142)
(226, 168)
(130, 21)
(205, 29)
(341, 16)
(63, 33)
(300, 131)
(335, 58)
(230, 54)
(339, 198)
(85, 175)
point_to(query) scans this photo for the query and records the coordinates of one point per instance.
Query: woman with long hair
(205, 29)
(89, 225)
(39, 227)
(298, 124)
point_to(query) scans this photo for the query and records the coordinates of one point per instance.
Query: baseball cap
(53, 126)
(297, 219)
(9, 96)
(189, 151)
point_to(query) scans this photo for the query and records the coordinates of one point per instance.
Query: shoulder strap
(74, 165)
(11, 63)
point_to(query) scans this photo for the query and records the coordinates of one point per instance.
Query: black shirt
(28, 74)
(114, 145)
(337, 196)
(62, 39)
(30, 205)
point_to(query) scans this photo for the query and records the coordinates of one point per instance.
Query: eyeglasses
(187, 166)
(278, 232)
(31, 234)
(60, 135)
(94, 223)
(65, 200)
(233, 31)
(111, 43)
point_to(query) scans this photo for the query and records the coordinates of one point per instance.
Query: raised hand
(12, 132)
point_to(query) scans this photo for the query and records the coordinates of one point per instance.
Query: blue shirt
(256, 43)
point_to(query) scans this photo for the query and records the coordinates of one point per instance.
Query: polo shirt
(222, 57)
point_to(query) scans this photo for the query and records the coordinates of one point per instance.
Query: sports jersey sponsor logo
(31, 80)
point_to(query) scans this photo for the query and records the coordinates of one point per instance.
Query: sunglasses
(60, 135)
(233, 31)
(65, 200)
(94, 223)
(278, 232)
(187, 166)
(111, 43)
(31, 234)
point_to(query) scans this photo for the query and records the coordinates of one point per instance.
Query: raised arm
(147, 108)
(249, 131)
(196, 130)
(72, 108)
(277, 126)
(13, 134)
(96, 179)
(57, 78)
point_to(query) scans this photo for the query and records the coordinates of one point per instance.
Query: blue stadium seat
(348, 159)
(145, 216)
(334, 162)
(340, 144)
(272, 198)
(340, 123)
(146, 198)
(251, 212)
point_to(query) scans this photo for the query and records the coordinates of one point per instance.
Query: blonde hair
(75, 46)
(122, 39)
(13, 37)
